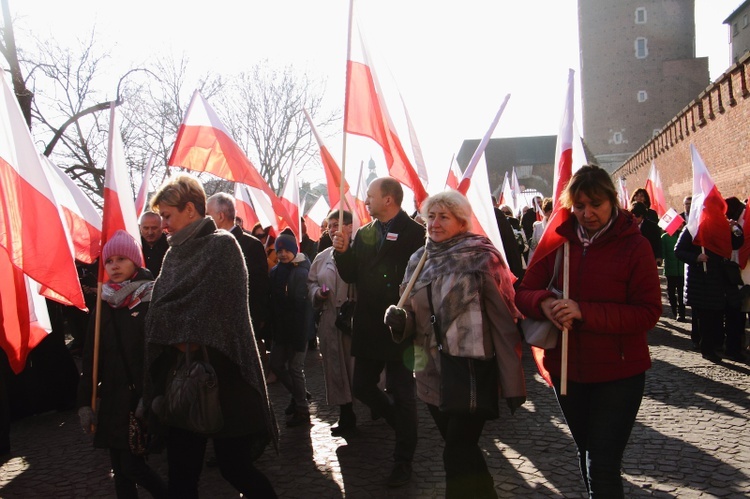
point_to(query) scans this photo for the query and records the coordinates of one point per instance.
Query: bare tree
(263, 109)
(9, 50)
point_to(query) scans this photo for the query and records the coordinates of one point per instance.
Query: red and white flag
(671, 221)
(454, 175)
(506, 196)
(551, 240)
(744, 252)
(366, 114)
(83, 221)
(316, 216)
(416, 149)
(263, 209)
(119, 207)
(655, 191)
(204, 145)
(244, 206)
(622, 193)
(479, 152)
(515, 191)
(707, 221)
(290, 200)
(35, 248)
(140, 200)
(362, 213)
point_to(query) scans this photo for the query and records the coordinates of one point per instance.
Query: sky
(453, 62)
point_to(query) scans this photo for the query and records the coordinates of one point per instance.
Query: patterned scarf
(584, 236)
(127, 293)
(457, 262)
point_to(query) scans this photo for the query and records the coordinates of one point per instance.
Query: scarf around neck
(128, 293)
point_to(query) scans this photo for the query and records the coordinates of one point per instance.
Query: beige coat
(499, 334)
(335, 346)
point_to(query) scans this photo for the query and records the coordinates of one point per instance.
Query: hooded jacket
(616, 285)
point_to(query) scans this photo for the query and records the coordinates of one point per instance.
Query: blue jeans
(600, 417)
(401, 412)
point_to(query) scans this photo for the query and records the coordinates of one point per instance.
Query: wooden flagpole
(566, 295)
(346, 102)
(413, 279)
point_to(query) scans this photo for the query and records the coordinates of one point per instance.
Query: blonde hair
(453, 201)
(178, 191)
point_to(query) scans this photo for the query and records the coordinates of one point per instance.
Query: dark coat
(116, 400)
(512, 251)
(154, 256)
(257, 275)
(292, 311)
(706, 289)
(616, 286)
(378, 274)
(652, 232)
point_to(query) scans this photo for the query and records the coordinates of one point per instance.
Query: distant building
(638, 70)
(739, 30)
(533, 158)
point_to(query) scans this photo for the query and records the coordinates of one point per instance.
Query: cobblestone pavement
(691, 439)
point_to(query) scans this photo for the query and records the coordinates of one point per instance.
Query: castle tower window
(641, 48)
(642, 96)
(640, 15)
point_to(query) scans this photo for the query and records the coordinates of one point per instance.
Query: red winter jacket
(616, 285)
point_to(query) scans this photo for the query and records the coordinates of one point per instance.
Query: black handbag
(345, 315)
(732, 272)
(191, 396)
(467, 386)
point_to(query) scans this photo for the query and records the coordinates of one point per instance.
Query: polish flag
(707, 221)
(315, 218)
(140, 200)
(479, 152)
(671, 221)
(655, 191)
(119, 207)
(23, 314)
(515, 190)
(263, 208)
(83, 222)
(290, 201)
(416, 149)
(31, 229)
(744, 252)
(359, 201)
(366, 114)
(622, 192)
(506, 197)
(551, 240)
(244, 206)
(204, 145)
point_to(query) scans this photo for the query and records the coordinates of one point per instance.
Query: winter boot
(347, 421)
(300, 417)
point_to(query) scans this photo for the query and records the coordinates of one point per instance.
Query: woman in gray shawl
(471, 287)
(200, 299)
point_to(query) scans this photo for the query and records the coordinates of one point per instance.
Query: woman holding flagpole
(614, 300)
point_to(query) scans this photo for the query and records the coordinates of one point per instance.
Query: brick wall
(717, 122)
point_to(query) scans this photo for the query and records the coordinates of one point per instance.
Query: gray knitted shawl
(201, 297)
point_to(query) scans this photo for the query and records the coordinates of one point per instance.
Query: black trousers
(185, 455)
(130, 470)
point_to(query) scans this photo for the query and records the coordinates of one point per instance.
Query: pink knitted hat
(123, 244)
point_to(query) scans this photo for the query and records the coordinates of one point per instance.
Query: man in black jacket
(221, 208)
(376, 262)
(649, 229)
(153, 241)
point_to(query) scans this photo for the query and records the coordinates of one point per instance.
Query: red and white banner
(290, 201)
(82, 220)
(35, 248)
(671, 221)
(244, 206)
(707, 221)
(204, 145)
(366, 114)
(655, 191)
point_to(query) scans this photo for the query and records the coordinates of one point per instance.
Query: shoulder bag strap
(433, 318)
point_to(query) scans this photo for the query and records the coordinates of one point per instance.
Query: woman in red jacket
(614, 300)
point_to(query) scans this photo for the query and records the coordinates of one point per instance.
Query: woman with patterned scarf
(127, 294)
(472, 294)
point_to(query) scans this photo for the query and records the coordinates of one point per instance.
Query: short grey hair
(224, 204)
(453, 201)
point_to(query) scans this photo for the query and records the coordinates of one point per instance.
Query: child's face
(119, 268)
(285, 256)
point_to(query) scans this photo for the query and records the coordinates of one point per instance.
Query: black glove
(514, 403)
(395, 318)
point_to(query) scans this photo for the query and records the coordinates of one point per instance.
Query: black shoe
(713, 357)
(299, 418)
(347, 424)
(400, 475)
(737, 357)
(290, 408)
(681, 318)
